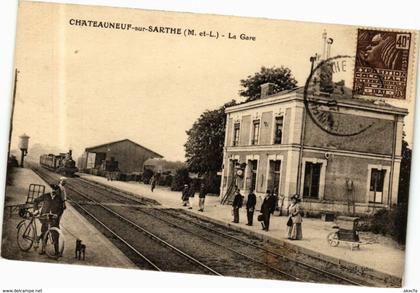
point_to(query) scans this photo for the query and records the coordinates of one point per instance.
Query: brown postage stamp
(382, 59)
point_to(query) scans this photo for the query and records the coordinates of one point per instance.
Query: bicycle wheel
(49, 239)
(333, 239)
(25, 235)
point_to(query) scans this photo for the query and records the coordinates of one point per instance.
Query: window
(278, 130)
(377, 178)
(236, 130)
(312, 178)
(255, 132)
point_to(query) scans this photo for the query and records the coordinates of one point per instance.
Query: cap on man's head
(63, 178)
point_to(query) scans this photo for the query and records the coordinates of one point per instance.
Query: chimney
(324, 45)
(267, 89)
(325, 73)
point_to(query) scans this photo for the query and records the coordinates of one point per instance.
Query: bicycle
(27, 234)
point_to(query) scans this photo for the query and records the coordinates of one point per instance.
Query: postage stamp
(382, 59)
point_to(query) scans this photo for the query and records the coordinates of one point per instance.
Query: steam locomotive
(62, 163)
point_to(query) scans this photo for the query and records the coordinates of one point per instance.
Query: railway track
(264, 260)
(143, 251)
(179, 218)
(217, 256)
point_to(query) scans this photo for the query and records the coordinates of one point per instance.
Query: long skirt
(295, 231)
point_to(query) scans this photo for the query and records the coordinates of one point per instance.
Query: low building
(275, 143)
(163, 166)
(125, 155)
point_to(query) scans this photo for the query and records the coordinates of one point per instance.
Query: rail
(145, 231)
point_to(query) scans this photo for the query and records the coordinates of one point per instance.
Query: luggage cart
(34, 191)
(346, 232)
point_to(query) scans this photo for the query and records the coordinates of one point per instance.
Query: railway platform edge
(388, 267)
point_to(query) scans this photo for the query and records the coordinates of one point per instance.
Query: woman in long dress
(294, 227)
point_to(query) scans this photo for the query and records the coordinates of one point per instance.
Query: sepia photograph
(225, 146)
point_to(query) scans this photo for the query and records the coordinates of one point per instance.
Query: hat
(295, 197)
(63, 178)
(185, 185)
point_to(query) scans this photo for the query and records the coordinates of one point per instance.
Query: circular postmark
(323, 99)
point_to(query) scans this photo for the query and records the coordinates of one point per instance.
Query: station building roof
(92, 149)
(345, 98)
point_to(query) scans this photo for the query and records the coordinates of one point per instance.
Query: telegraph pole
(13, 110)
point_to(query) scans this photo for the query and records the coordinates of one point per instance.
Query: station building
(273, 143)
(124, 155)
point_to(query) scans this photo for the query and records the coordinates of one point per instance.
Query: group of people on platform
(189, 191)
(268, 206)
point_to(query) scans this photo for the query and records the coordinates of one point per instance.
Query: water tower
(23, 146)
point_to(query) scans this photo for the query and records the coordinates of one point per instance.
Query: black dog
(80, 250)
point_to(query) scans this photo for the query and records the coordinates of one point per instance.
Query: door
(376, 188)
(312, 180)
(232, 170)
(251, 180)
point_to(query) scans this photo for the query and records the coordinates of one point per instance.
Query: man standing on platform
(186, 196)
(250, 206)
(237, 204)
(52, 203)
(202, 197)
(267, 208)
(153, 183)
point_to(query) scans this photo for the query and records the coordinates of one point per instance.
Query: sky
(82, 86)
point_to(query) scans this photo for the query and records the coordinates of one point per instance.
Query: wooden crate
(347, 223)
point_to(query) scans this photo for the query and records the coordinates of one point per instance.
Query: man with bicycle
(63, 192)
(52, 203)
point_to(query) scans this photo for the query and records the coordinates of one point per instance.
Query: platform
(383, 256)
(99, 250)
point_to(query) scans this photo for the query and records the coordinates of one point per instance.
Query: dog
(80, 250)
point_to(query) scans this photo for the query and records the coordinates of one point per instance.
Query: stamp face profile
(382, 60)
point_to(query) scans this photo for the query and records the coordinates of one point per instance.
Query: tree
(180, 178)
(204, 146)
(281, 77)
(400, 222)
(404, 184)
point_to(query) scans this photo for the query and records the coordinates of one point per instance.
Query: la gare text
(160, 29)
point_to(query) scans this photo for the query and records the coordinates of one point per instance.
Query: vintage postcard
(211, 145)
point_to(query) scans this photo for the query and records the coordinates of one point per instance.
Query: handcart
(346, 232)
(34, 191)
